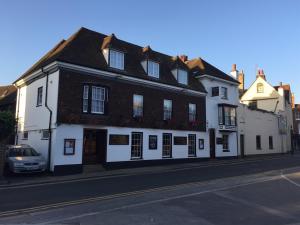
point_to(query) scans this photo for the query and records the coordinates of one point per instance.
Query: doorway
(94, 146)
(212, 143)
(242, 145)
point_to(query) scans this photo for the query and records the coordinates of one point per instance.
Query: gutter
(50, 119)
(17, 117)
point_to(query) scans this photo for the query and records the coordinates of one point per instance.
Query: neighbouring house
(265, 118)
(95, 98)
(8, 97)
(221, 103)
(296, 119)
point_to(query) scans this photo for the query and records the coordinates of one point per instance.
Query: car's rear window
(21, 152)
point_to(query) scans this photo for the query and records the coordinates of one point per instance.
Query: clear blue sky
(264, 33)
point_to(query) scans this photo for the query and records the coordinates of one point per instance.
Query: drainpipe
(50, 119)
(17, 118)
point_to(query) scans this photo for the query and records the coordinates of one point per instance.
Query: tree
(7, 126)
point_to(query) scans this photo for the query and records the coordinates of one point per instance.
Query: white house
(221, 103)
(265, 118)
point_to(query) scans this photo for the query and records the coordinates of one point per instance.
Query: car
(24, 159)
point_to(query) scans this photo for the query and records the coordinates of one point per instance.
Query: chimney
(241, 79)
(234, 72)
(280, 84)
(260, 73)
(293, 100)
(183, 58)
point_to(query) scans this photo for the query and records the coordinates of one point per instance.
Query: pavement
(253, 191)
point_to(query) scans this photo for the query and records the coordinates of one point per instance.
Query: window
(270, 142)
(153, 69)
(69, 147)
(25, 135)
(258, 142)
(224, 94)
(192, 112)
(116, 59)
(182, 77)
(260, 88)
(167, 145)
(137, 105)
(297, 115)
(98, 100)
(253, 105)
(192, 145)
(167, 109)
(136, 145)
(227, 115)
(85, 101)
(39, 100)
(45, 134)
(225, 143)
(214, 91)
(152, 142)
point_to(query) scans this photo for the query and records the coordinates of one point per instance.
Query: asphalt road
(226, 202)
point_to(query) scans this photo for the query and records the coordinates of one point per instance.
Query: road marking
(289, 180)
(126, 194)
(164, 200)
(3, 187)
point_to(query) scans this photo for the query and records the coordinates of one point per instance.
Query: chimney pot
(183, 58)
(233, 67)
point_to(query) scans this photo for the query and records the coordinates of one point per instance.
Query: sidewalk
(100, 173)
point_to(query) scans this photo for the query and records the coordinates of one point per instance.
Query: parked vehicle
(24, 159)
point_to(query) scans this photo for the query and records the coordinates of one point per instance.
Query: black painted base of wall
(60, 170)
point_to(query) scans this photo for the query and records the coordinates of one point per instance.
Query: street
(251, 192)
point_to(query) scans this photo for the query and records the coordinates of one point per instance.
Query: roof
(200, 68)
(84, 48)
(8, 94)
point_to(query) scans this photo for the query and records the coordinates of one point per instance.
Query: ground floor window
(192, 144)
(167, 145)
(136, 145)
(270, 142)
(258, 142)
(225, 143)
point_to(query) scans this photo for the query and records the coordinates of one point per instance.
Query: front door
(242, 145)
(167, 145)
(212, 143)
(94, 146)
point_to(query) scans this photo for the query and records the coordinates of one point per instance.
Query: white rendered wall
(212, 113)
(34, 119)
(117, 153)
(252, 123)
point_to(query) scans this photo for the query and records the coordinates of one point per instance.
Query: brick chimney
(233, 67)
(183, 58)
(260, 73)
(293, 100)
(241, 79)
(234, 72)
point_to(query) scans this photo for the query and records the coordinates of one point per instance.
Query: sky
(250, 33)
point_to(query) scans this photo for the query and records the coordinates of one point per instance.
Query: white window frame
(138, 105)
(224, 92)
(192, 112)
(85, 99)
(43, 136)
(260, 88)
(168, 105)
(182, 76)
(136, 145)
(153, 69)
(116, 59)
(39, 100)
(225, 148)
(98, 100)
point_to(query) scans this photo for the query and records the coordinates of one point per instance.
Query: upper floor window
(95, 104)
(260, 88)
(153, 69)
(182, 76)
(167, 109)
(227, 115)
(39, 100)
(137, 105)
(214, 91)
(98, 100)
(192, 112)
(116, 59)
(297, 115)
(224, 93)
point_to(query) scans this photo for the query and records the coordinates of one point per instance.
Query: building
(265, 118)
(296, 121)
(221, 103)
(8, 96)
(94, 98)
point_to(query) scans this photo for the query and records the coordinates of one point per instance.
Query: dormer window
(153, 69)
(116, 59)
(260, 88)
(182, 76)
